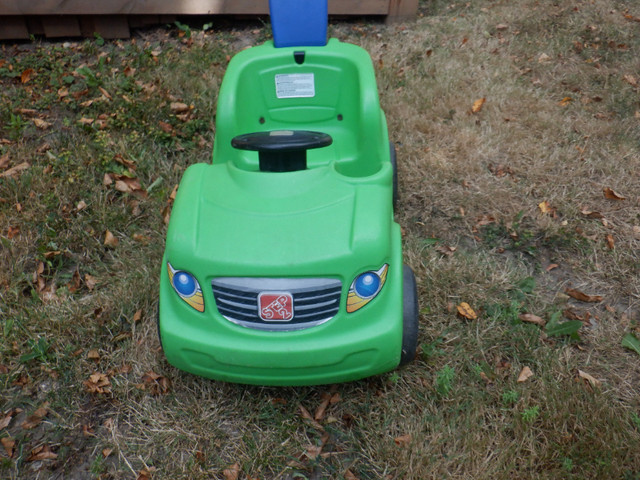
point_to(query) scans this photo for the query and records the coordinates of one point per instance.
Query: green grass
(474, 182)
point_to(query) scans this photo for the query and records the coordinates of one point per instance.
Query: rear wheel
(410, 318)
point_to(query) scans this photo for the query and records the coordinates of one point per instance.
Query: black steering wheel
(282, 150)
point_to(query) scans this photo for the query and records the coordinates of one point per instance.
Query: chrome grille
(315, 300)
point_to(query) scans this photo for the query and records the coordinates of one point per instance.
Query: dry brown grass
(473, 181)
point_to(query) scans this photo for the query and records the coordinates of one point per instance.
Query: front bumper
(347, 347)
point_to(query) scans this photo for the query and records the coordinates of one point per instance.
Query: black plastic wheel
(410, 316)
(394, 165)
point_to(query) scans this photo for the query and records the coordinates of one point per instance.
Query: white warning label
(295, 85)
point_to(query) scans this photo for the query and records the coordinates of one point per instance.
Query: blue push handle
(299, 23)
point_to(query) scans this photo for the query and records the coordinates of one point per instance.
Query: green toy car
(283, 263)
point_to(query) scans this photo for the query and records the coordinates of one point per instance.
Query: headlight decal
(187, 287)
(365, 287)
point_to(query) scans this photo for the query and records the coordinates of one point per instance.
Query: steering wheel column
(282, 150)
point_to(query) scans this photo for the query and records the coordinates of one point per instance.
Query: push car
(283, 263)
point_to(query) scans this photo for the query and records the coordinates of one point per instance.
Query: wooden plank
(184, 7)
(13, 28)
(61, 26)
(401, 11)
(107, 26)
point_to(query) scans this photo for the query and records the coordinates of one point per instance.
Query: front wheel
(410, 316)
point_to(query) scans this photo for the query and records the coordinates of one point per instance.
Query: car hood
(237, 223)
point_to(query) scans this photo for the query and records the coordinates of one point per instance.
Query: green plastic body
(333, 220)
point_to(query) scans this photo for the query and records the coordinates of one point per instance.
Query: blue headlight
(367, 284)
(184, 283)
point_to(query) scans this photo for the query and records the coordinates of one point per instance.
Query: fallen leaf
(35, 419)
(42, 452)
(107, 452)
(348, 475)
(231, 472)
(307, 416)
(93, 354)
(403, 440)
(179, 107)
(146, 473)
(105, 93)
(110, 240)
(165, 127)
(611, 244)
(612, 194)
(107, 179)
(578, 295)
(565, 101)
(98, 383)
(531, 318)
(631, 80)
(631, 342)
(525, 375)
(477, 105)
(81, 206)
(543, 58)
(8, 443)
(552, 266)
(27, 75)
(446, 250)
(138, 237)
(593, 381)
(155, 384)
(12, 232)
(502, 26)
(13, 171)
(4, 423)
(465, 310)
(319, 414)
(86, 121)
(41, 124)
(546, 208)
(591, 214)
(90, 281)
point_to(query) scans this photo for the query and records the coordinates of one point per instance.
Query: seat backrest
(330, 89)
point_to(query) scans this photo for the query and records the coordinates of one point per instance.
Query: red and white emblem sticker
(275, 306)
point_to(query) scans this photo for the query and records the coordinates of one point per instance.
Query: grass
(471, 186)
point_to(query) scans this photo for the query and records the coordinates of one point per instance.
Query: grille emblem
(275, 306)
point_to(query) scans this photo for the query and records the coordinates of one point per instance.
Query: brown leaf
(593, 381)
(403, 440)
(611, 244)
(93, 354)
(86, 121)
(41, 124)
(525, 374)
(8, 443)
(12, 231)
(98, 383)
(631, 80)
(477, 105)
(106, 452)
(591, 214)
(110, 240)
(531, 318)
(13, 171)
(105, 93)
(319, 414)
(446, 250)
(155, 384)
(612, 194)
(4, 161)
(578, 295)
(81, 206)
(565, 101)
(165, 127)
(348, 475)
(107, 179)
(465, 310)
(179, 107)
(231, 472)
(4, 423)
(27, 75)
(42, 452)
(546, 208)
(307, 416)
(90, 281)
(137, 316)
(146, 473)
(34, 420)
